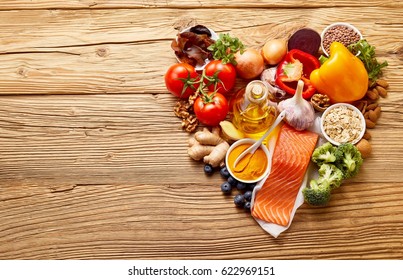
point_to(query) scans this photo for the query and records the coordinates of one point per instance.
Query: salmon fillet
(274, 202)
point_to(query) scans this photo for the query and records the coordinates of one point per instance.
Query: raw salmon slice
(275, 200)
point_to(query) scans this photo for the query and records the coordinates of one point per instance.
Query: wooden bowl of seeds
(342, 123)
(342, 32)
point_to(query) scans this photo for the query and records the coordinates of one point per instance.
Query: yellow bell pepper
(342, 76)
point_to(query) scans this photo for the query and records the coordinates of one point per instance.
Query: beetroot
(306, 40)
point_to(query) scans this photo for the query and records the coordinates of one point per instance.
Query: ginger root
(208, 146)
(198, 151)
(217, 155)
(230, 132)
(205, 137)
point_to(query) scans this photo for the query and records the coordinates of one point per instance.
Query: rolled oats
(342, 124)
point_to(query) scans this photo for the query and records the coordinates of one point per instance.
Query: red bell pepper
(296, 65)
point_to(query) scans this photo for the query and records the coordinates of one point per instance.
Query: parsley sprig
(367, 56)
(225, 48)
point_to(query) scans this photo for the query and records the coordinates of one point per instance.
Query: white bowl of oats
(342, 123)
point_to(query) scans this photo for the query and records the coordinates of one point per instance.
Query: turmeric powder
(251, 167)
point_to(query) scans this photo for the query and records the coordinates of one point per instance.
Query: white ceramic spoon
(255, 146)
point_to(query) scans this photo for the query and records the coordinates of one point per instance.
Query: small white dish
(348, 25)
(251, 142)
(214, 37)
(350, 107)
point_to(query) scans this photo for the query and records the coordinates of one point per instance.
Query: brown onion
(250, 64)
(274, 51)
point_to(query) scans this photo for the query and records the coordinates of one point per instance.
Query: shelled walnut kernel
(320, 102)
(183, 109)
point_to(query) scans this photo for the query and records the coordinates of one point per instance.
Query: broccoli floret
(331, 174)
(349, 160)
(318, 194)
(324, 154)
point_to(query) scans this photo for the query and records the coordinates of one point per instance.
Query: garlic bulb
(269, 76)
(299, 112)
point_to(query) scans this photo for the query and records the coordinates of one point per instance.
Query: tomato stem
(188, 82)
(202, 89)
(208, 97)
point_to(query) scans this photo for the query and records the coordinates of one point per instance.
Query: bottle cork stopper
(256, 91)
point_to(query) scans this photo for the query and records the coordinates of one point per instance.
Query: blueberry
(247, 195)
(239, 200)
(226, 188)
(247, 206)
(208, 169)
(233, 182)
(241, 186)
(251, 186)
(224, 172)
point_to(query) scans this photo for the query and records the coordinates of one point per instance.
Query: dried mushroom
(191, 47)
(200, 29)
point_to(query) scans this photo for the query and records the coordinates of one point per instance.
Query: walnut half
(320, 102)
(183, 109)
(190, 123)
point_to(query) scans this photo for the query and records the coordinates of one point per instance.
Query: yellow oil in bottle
(251, 110)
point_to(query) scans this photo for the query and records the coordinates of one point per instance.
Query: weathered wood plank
(128, 51)
(102, 176)
(141, 221)
(118, 4)
(136, 139)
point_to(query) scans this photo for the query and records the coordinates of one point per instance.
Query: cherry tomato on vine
(221, 77)
(211, 108)
(182, 80)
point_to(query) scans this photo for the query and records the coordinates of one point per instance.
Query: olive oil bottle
(251, 110)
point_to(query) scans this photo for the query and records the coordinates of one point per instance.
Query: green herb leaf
(225, 48)
(367, 56)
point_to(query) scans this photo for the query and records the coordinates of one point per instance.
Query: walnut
(181, 109)
(320, 102)
(184, 110)
(192, 99)
(190, 123)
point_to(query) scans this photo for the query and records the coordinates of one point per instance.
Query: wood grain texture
(142, 221)
(131, 138)
(128, 51)
(118, 4)
(93, 163)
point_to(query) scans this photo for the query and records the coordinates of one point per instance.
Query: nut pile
(379, 89)
(370, 107)
(339, 33)
(183, 109)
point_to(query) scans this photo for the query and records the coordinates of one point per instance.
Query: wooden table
(93, 162)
